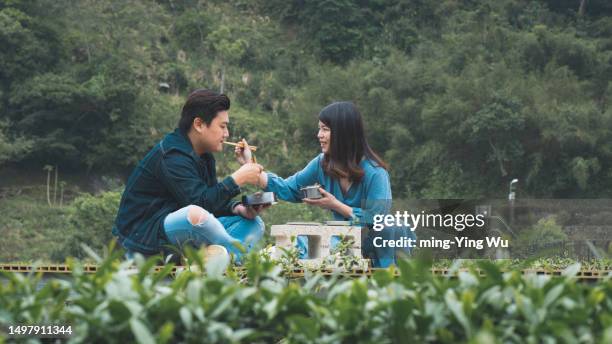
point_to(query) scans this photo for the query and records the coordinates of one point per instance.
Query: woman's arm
(289, 189)
(343, 210)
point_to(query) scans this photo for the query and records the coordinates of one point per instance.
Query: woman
(355, 183)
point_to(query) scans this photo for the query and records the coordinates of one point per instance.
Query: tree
(229, 48)
(12, 148)
(498, 124)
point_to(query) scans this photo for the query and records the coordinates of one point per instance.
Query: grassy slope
(30, 228)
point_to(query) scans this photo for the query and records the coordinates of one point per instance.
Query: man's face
(210, 138)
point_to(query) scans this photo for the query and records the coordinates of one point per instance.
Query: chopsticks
(241, 145)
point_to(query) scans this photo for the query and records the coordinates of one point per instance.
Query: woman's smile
(323, 146)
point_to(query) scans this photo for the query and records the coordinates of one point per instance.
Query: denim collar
(180, 141)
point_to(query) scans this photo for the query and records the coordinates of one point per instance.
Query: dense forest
(459, 96)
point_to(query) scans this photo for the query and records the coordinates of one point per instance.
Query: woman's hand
(263, 180)
(243, 154)
(330, 202)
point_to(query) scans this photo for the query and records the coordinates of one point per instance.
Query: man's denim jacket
(170, 176)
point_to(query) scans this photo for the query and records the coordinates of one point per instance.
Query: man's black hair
(202, 103)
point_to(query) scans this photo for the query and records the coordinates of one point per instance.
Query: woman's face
(324, 136)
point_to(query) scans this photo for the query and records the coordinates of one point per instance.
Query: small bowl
(311, 191)
(259, 198)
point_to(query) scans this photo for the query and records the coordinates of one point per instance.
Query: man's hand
(249, 212)
(243, 154)
(248, 173)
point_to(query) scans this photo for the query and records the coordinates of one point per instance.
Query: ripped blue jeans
(225, 231)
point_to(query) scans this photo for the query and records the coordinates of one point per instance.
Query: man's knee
(197, 215)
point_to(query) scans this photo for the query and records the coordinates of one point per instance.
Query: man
(173, 197)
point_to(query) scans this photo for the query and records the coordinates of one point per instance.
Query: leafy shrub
(91, 219)
(545, 235)
(258, 305)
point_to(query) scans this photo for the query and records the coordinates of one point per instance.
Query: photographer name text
(446, 244)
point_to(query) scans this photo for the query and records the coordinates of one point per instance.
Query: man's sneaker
(213, 252)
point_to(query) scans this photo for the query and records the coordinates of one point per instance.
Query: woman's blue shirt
(372, 195)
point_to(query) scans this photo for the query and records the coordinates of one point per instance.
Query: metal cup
(311, 191)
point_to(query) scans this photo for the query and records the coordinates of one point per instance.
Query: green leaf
(456, 308)
(553, 294)
(119, 311)
(491, 270)
(304, 325)
(164, 335)
(572, 270)
(383, 277)
(186, 316)
(141, 332)
(239, 335)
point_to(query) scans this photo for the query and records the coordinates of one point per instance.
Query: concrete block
(319, 237)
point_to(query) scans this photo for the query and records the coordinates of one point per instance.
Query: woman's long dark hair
(348, 142)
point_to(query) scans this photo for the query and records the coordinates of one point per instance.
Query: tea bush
(258, 304)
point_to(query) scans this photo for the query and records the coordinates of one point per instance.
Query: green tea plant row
(258, 304)
(546, 264)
